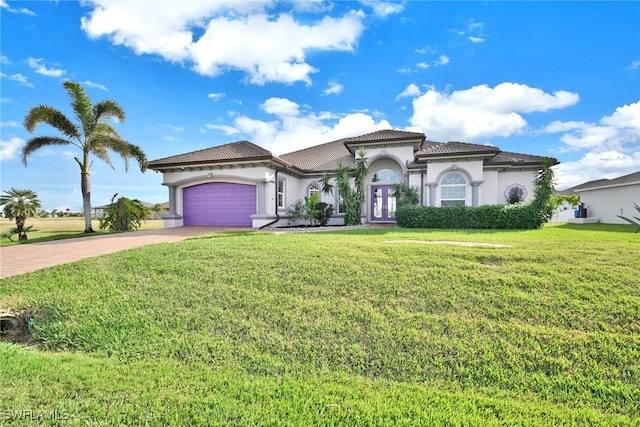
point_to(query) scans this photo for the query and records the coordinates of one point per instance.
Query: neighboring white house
(242, 184)
(605, 199)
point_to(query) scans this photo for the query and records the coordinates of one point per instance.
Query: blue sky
(544, 78)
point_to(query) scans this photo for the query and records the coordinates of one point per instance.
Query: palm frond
(38, 142)
(121, 147)
(54, 118)
(81, 104)
(101, 152)
(108, 109)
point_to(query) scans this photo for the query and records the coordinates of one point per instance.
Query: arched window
(385, 175)
(453, 189)
(313, 189)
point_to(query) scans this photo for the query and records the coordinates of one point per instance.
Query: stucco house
(605, 199)
(242, 184)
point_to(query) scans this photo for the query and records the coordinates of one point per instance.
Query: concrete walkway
(19, 259)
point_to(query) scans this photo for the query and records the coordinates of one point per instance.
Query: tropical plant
(125, 214)
(20, 204)
(311, 209)
(348, 198)
(91, 134)
(631, 221)
(406, 195)
(360, 174)
(352, 196)
(325, 184)
(543, 190)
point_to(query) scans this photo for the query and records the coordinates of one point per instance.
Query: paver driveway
(19, 259)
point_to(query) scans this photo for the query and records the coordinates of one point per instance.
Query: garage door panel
(219, 204)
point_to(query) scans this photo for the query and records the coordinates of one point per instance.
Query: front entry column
(432, 193)
(475, 193)
(171, 218)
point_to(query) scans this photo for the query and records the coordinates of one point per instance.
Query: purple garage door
(219, 204)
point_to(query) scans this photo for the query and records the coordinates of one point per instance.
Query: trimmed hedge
(518, 216)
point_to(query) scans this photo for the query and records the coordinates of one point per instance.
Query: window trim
(313, 186)
(281, 195)
(456, 185)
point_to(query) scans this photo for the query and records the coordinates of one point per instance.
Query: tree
(352, 198)
(125, 214)
(91, 134)
(20, 204)
(543, 190)
(406, 195)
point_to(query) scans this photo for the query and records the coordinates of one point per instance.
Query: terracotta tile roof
(439, 149)
(507, 158)
(385, 135)
(321, 158)
(241, 150)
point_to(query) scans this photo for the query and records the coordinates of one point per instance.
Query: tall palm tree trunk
(85, 185)
(20, 220)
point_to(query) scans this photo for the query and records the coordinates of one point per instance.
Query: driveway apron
(19, 259)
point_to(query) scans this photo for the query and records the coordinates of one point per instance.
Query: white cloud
(613, 133)
(9, 149)
(229, 130)
(334, 88)
(405, 70)
(596, 165)
(9, 123)
(281, 107)
(482, 111)
(95, 85)
(410, 91)
(292, 129)
(634, 65)
(3, 100)
(5, 60)
(174, 128)
(19, 78)
(442, 60)
(383, 8)
(612, 146)
(423, 65)
(426, 49)
(40, 68)
(216, 96)
(23, 10)
(473, 39)
(236, 36)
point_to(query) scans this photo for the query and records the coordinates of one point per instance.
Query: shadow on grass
(62, 236)
(612, 228)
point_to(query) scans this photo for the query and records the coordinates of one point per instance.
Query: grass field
(361, 327)
(46, 229)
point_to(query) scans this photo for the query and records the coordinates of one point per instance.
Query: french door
(383, 203)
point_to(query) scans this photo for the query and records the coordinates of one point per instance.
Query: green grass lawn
(336, 328)
(47, 229)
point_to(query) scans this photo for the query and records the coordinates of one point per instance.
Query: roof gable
(240, 150)
(320, 158)
(454, 149)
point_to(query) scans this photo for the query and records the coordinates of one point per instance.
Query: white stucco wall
(472, 170)
(606, 203)
(489, 188)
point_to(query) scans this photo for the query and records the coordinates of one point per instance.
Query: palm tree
(91, 134)
(20, 204)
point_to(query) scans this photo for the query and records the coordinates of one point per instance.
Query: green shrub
(125, 215)
(517, 216)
